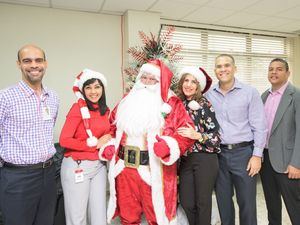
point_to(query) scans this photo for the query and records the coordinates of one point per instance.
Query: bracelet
(201, 139)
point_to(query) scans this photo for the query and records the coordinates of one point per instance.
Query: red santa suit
(159, 176)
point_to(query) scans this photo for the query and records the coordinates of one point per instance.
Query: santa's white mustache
(139, 85)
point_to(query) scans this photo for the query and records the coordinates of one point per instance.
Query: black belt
(238, 145)
(41, 165)
(133, 156)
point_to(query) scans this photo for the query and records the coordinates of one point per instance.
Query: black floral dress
(199, 167)
(205, 123)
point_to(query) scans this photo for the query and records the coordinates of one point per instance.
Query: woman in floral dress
(199, 166)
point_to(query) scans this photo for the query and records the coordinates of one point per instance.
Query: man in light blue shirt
(240, 113)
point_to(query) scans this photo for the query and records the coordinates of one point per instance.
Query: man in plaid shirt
(28, 113)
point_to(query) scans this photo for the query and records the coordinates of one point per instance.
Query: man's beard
(140, 111)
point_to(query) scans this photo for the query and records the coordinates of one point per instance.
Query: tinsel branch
(138, 55)
(131, 71)
(152, 48)
(145, 39)
(167, 36)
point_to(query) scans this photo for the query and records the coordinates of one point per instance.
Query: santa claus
(145, 149)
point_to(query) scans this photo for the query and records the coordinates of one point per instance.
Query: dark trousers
(233, 176)
(28, 196)
(276, 185)
(197, 176)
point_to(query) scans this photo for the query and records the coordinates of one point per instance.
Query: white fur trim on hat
(92, 141)
(166, 108)
(194, 105)
(149, 68)
(89, 74)
(196, 72)
(85, 113)
(79, 95)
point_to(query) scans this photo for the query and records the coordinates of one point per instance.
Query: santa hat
(200, 74)
(85, 75)
(163, 74)
(149, 68)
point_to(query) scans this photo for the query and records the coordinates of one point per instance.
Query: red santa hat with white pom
(200, 74)
(163, 74)
(202, 77)
(85, 75)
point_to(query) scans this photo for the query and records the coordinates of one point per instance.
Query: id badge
(79, 175)
(46, 113)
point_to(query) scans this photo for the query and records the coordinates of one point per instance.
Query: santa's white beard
(140, 111)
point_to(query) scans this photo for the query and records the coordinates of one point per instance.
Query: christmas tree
(153, 48)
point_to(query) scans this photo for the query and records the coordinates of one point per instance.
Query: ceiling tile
(240, 19)
(123, 5)
(293, 27)
(269, 15)
(44, 3)
(230, 4)
(293, 13)
(208, 15)
(116, 13)
(271, 7)
(172, 9)
(269, 23)
(195, 2)
(87, 5)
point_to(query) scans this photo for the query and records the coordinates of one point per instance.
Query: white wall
(72, 41)
(296, 63)
(135, 21)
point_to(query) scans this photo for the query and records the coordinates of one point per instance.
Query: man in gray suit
(280, 172)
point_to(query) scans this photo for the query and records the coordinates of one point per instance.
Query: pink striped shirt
(271, 106)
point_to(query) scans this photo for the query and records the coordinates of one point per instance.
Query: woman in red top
(86, 129)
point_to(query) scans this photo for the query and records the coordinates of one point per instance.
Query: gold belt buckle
(132, 156)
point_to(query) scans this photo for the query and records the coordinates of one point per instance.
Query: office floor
(261, 212)
(262, 217)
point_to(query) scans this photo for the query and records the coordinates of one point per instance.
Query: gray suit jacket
(284, 142)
